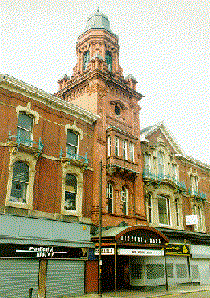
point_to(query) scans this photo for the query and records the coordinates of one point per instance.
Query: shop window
(160, 158)
(131, 151)
(109, 60)
(125, 149)
(109, 146)
(136, 271)
(155, 271)
(195, 272)
(70, 192)
(86, 59)
(71, 143)
(24, 128)
(170, 270)
(164, 210)
(181, 271)
(117, 146)
(124, 199)
(20, 181)
(109, 191)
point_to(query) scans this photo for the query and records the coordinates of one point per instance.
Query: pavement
(155, 292)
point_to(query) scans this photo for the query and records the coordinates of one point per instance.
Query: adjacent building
(177, 196)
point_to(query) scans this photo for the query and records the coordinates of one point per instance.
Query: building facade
(46, 178)
(177, 195)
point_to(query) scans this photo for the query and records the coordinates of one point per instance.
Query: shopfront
(128, 254)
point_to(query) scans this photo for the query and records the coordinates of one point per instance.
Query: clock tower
(98, 85)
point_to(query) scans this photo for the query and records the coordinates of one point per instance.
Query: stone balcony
(118, 165)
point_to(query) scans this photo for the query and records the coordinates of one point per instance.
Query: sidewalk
(156, 292)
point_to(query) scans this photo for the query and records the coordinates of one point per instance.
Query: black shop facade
(127, 255)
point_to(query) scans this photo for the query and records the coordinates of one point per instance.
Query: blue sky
(164, 44)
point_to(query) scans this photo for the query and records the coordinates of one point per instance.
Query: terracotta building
(98, 85)
(177, 197)
(46, 166)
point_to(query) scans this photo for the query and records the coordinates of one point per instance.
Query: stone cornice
(107, 77)
(18, 86)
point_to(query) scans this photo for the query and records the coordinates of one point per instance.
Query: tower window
(117, 110)
(86, 59)
(109, 60)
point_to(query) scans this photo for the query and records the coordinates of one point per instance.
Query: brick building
(177, 196)
(46, 148)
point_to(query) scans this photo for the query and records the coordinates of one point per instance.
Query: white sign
(105, 251)
(191, 220)
(140, 252)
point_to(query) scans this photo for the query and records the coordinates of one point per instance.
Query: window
(160, 164)
(131, 150)
(124, 199)
(177, 211)
(109, 191)
(174, 172)
(71, 143)
(117, 146)
(194, 184)
(20, 180)
(117, 110)
(109, 144)
(86, 59)
(70, 192)
(24, 128)
(197, 210)
(149, 204)
(147, 162)
(125, 149)
(109, 60)
(164, 210)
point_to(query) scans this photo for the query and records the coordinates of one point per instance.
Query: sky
(163, 43)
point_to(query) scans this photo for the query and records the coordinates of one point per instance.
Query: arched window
(124, 199)
(20, 180)
(86, 59)
(109, 195)
(70, 192)
(109, 60)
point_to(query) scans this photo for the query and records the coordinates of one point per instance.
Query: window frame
(125, 149)
(131, 151)
(21, 129)
(168, 213)
(109, 196)
(117, 146)
(149, 207)
(109, 60)
(69, 145)
(68, 189)
(24, 184)
(161, 166)
(124, 200)
(109, 146)
(86, 59)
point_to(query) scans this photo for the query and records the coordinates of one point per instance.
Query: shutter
(65, 278)
(17, 276)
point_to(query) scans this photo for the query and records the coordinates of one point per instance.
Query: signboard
(177, 250)
(191, 220)
(105, 251)
(35, 251)
(140, 252)
(143, 237)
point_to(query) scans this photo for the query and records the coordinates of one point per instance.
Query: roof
(98, 21)
(149, 130)
(18, 86)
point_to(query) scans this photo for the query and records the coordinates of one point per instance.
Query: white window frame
(117, 146)
(124, 199)
(69, 145)
(131, 150)
(125, 149)
(161, 167)
(31, 162)
(168, 213)
(76, 171)
(109, 195)
(109, 146)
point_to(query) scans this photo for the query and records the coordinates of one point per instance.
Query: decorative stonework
(28, 111)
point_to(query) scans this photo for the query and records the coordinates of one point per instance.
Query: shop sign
(139, 252)
(177, 249)
(141, 237)
(105, 251)
(35, 251)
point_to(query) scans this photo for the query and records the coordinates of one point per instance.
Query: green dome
(98, 21)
